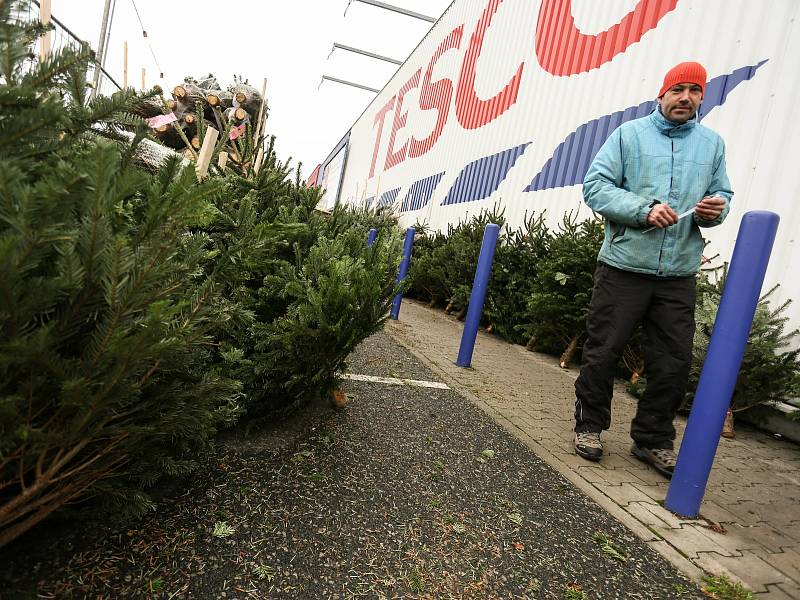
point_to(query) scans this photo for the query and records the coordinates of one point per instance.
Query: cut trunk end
(566, 358)
(338, 399)
(531, 344)
(727, 427)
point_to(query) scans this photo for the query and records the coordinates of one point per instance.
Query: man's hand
(710, 207)
(661, 215)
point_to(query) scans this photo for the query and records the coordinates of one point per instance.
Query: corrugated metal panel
(505, 102)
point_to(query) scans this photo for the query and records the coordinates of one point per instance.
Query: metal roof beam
(350, 83)
(394, 61)
(397, 9)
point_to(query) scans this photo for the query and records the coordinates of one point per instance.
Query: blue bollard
(395, 312)
(478, 295)
(721, 367)
(373, 233)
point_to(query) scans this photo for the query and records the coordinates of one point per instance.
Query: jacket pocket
(617, 235)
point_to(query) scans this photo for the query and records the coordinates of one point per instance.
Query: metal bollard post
(478, 295)
(721, 367)
(395, 312)
(373, 233)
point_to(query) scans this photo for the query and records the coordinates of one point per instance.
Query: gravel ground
(408, 492)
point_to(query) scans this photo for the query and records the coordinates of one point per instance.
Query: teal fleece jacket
(653, 159)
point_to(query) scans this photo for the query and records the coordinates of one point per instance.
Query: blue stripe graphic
(572, 157)
(388, 197)
(420, 192)
(480, 178)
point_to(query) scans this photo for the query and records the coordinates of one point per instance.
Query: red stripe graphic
(563, 50)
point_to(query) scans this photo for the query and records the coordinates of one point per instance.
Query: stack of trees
(238, 114)
(144, 311)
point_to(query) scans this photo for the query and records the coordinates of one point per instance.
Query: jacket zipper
(671, 175)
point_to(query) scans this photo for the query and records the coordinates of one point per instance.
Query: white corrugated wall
(595, 59)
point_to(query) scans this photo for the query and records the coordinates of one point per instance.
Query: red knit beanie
(685, 72)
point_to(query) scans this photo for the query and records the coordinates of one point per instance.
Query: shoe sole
(646, 460)
(591, 457)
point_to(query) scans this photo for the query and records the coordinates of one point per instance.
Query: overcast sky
(286, 41)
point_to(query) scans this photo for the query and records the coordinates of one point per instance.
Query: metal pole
(350, 83)
(125, 66)
(373, 233)
(478, 295)
(365, 53)
(101, 46)
(721, 367)
(108, 35)
(395, 313)
(397, 9)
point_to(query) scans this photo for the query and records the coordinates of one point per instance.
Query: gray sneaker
(661, 459)
(588, 445)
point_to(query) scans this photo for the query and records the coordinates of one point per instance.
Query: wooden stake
(260, 111)
(143, 79)
(206, 151)
(222, 160)
(125, 66)
(259, 158)
(44, 17)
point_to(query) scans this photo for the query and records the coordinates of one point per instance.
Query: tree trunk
(461, 314)
(449, 308)
(727, 427)
(434, 301)
(531, 343)
(151, 107)
(338, 399)
(189, 94)
(247, 97)
(637, 375)
(566, 357)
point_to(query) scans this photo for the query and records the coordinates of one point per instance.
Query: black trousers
(622, 300)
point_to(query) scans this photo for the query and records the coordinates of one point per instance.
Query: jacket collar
(668, 127)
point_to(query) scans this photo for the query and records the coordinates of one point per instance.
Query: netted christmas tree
(426, 273)
(514, 276)
(308, 287)
(560, 301)
(770, 368)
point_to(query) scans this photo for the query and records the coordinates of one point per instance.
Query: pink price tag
(159, 120)
(237, 131)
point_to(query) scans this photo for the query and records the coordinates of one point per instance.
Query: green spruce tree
(104, 307)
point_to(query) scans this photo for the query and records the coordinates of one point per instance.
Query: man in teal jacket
(657, 181)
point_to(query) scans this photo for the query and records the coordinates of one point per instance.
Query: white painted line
(394, 381)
